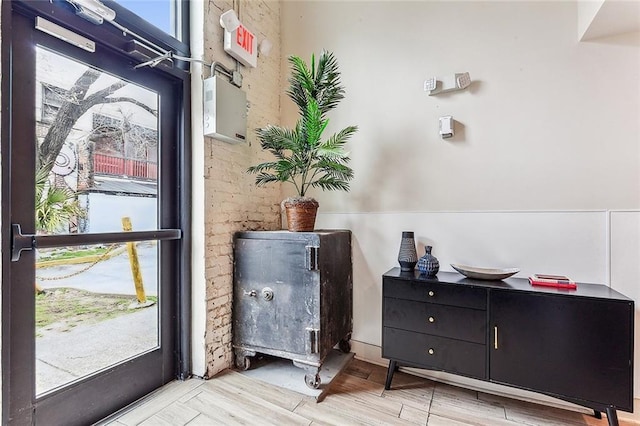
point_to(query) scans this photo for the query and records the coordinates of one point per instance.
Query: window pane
(106, 167)
(93, 310)
(160, 13)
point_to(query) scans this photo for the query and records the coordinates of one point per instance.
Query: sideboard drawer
(444, 294)
(433, 352)
(439, 320)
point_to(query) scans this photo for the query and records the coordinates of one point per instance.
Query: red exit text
(244, 39)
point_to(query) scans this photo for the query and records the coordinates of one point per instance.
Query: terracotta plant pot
(301, 214)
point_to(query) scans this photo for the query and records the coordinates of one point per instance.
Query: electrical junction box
(225, 111)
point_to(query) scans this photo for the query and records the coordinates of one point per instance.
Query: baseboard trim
(372, 353)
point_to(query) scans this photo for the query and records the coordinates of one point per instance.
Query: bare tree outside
(107, 106)
(75, 105)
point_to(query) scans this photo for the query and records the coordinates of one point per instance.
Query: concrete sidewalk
(62, 357)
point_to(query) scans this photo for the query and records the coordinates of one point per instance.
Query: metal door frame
(18, 355)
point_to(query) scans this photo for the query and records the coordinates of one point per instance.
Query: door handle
(20, 242)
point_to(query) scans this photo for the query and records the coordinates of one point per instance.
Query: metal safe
(292, 296)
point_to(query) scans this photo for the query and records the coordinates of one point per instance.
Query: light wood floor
(356, 397)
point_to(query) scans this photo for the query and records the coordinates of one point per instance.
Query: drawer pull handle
(432, 319)
(495, 337)
(431, 351)
(431, 293)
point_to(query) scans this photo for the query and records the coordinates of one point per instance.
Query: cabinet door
(576, 347)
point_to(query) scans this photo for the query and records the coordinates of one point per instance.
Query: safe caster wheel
(243, 363)
(344, 346)
(312, 380)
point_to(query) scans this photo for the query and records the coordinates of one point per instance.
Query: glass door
(96, 171)
(95, 231)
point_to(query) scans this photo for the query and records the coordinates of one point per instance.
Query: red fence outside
(119, 166)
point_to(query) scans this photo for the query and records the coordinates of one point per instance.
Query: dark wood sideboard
(575, 345)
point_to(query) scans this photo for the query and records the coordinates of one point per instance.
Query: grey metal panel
(310, 237)
(279, 323)
(336, 291)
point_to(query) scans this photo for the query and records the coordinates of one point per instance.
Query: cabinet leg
(612, 416)
(597, 414)
(393, 366)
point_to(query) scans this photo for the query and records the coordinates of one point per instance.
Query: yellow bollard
(135, 264)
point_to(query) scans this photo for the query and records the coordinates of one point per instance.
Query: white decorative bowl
(484, 273)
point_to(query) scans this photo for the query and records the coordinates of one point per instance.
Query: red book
(558, 281)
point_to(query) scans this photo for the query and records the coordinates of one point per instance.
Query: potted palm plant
(302, 156)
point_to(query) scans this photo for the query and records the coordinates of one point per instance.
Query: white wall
(526, 240)
(105, 212)
(543, 173)
(542, 126)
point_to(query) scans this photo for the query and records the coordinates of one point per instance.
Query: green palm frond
(330, 183)
(334, 146)
(313, 124)
(336, 169)
(321, 83)
(265, 178)
(275, 138)
(301, 82)
(333, 154)
(262, 167)
(327, 80)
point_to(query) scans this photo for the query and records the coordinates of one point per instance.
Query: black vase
(428, 264)
(407, 257)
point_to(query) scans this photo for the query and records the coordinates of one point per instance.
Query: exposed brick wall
(232, 200)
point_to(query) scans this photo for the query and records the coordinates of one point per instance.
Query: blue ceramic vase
(428, 264)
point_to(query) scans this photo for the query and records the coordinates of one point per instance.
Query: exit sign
(242, 44)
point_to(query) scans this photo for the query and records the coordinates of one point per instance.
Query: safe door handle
(267, 293)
